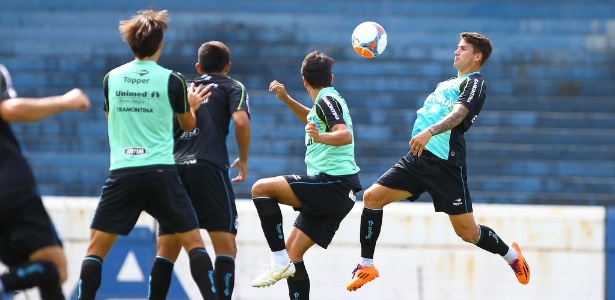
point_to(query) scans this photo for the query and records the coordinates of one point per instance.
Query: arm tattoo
(450, 121)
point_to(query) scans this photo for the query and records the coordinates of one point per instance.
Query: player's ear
(478, 56)
(197, 66)
(332, 77)
(227, 68)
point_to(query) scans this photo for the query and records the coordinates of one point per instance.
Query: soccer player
(436, 164)
(141, 100)
(325, 195)
(29, 243)
(203, 166)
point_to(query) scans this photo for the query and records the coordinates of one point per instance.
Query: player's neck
(313, 93)
(467, 71)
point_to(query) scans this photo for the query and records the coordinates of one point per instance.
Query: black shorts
(210, 190)
(155, 190)
(25, 225)
(445, 181)
(325, 202)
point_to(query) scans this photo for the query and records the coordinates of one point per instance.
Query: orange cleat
(362, 275)
(520, 266)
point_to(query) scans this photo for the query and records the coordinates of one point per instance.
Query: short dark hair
(480, 42)
(316, 69)
(144, 32)
(213, 56)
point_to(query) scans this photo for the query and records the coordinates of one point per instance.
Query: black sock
(488, 240)
(299, 284)
(160, 278)
(371, 223)
(89, 280)
(225, 276)
(31, 274)
(203, 272)
(271, 221)
(51, 292)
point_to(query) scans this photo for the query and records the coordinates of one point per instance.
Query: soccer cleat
(362, 275)
(274, 274)
(520, 266)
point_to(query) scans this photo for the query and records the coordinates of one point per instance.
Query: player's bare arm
(31, 109)
(339, 135)
(419, 141)
(297, 108)
(242, 136)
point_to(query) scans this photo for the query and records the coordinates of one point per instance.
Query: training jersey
(141, 99)
(328, 110)
(208, 140)
(14, 169)
(468, 90)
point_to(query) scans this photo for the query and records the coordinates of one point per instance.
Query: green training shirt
(330, 109)
(141, 99)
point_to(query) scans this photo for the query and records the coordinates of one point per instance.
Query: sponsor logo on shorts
(352, 196)
(187, 162)
(457, 202)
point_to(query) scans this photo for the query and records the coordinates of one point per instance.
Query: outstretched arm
(34, 109)
(297, 108)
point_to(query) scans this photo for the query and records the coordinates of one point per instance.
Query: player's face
(465, 58)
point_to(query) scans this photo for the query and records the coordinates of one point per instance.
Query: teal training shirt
(468, 90)
(330, 109)
(141, 99)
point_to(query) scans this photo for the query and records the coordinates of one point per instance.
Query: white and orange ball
(369, 39)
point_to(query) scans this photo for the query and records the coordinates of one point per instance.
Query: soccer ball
(369, 39)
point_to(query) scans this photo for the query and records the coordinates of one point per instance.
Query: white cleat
(274, 274)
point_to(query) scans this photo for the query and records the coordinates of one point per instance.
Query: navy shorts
(325, 202)
(210, 190)
(155, 190)
(445, 181)
(25, 225)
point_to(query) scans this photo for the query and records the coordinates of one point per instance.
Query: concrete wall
(418, 255)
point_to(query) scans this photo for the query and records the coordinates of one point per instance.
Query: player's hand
(419, 141)
(312, 130)
(76, 99)
(197, 95)
(279, 90)
(243, 170)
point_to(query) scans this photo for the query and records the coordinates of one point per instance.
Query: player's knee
(467, 234)
(369, 200)
(259, 189)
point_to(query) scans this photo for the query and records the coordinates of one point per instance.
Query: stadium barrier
(418, 255)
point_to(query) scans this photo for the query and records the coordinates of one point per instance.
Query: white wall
(418, 254)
